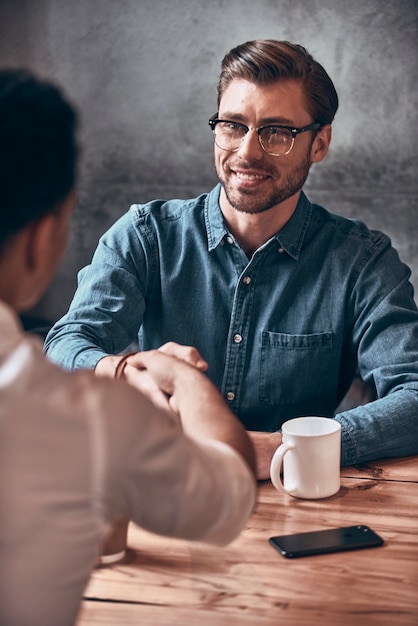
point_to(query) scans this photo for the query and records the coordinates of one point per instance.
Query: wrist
(121, 365)
(107, 366)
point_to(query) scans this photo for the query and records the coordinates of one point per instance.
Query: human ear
(47, 236)
(39, 233)
(321, 143)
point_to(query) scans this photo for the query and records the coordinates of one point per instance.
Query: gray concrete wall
(144, 73)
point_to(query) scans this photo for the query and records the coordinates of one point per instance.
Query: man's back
(77, 451)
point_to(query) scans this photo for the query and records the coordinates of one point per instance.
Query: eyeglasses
(276, 140)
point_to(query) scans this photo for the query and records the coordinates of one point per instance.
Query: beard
(249, 201)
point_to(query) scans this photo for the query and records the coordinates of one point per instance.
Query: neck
(252, 230)
(16, 280)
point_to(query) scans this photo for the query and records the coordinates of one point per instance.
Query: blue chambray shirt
(283, 332)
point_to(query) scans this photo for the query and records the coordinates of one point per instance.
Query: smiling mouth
(248, 176)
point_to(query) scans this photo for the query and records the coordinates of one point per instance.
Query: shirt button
(230, 395)
(237, 338)
(246, 280)
(229, 240)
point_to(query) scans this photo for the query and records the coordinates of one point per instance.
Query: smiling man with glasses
(284, 300)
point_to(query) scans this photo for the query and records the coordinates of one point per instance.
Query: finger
(145, 383)
(185, 353)
(152, 366)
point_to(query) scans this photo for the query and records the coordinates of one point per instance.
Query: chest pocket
(294, 368)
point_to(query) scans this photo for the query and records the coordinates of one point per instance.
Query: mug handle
(276, 466)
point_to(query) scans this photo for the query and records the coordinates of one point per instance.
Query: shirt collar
(290, 237)
(215, 224)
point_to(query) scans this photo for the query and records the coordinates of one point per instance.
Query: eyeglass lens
(273, 140)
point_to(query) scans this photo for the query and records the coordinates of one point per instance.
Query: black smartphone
(325, 541)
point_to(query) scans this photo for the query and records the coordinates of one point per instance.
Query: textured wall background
(143, 73)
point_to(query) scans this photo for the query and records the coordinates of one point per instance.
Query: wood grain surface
(178, 583)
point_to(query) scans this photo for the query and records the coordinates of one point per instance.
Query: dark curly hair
(38, 149)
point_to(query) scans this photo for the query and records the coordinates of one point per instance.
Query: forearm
(204, 414)
(189, 393)
(70, 352)
(104, 315)
(387, 427)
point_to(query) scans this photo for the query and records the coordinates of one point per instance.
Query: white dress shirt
(76, 451)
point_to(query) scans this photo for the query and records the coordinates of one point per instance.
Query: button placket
(236, 352)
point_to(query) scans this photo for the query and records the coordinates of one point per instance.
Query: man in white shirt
(77, 450)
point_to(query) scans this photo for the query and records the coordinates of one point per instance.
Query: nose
(250, 145)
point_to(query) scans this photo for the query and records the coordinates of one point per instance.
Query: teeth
(249, 176)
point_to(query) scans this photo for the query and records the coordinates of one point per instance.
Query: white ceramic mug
(310, 454)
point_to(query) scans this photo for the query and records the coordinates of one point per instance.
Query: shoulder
(142, 221)
(349, 229)
(357, 249)
(167, 210)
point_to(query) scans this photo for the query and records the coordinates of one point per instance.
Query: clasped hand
(155, 372)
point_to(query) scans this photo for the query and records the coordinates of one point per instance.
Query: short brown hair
(267, 60)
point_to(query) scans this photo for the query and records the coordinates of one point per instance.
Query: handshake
(172, 378)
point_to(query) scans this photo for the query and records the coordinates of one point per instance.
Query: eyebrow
(266, 121)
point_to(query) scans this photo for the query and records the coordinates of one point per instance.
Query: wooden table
(166, 582)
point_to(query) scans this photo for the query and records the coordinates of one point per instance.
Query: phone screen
(325, 541)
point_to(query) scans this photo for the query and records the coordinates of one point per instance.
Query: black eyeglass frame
(213, 121)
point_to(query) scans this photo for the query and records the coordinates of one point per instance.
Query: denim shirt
(283, 332)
